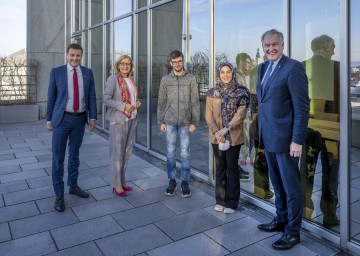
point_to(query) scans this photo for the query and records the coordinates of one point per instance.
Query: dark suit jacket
(283, 105)
(58, 94)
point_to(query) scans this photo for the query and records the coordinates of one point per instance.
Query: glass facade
(211, 31)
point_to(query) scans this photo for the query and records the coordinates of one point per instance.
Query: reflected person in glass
(121, 99)
(324, 79)
(226, 109)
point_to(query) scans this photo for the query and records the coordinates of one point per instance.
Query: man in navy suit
(71, 104)
(282, 91)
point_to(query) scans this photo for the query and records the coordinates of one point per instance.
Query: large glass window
(142, 71)
(167, 29)
(123, 37)
(77, 15)
(96, 11)
(355, 121)
(199, 66)
(122, 7)
(238, 29)
(96, 63)
(315, 42)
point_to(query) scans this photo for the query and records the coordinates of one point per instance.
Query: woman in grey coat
(121, 98)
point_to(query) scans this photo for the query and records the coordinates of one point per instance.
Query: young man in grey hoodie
(178, 112)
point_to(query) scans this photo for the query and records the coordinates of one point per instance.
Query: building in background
(210, 32)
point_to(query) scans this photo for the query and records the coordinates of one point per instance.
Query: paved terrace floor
(146, 222)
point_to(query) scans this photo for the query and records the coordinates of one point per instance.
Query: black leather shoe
(79, 192)
(273, 226)
(286, 242)
(59, 204)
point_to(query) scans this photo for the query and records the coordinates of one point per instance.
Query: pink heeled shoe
(119, 193)
(127, 188)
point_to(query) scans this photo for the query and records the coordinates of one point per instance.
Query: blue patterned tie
(267, 76)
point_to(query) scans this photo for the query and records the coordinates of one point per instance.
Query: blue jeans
(171, 135)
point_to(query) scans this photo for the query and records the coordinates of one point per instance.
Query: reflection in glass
(86, 13)
(108, 8)
(199, 66)
(96, 11)
(85, 59)
(77, 15)
(317, 26)
(123, 37)
(355, 121)
(96, 65)
(141, 132)
(166, 31)
(141, 3)
(122, 7)
(238, 41)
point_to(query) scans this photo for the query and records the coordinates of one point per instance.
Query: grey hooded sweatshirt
(178, 102)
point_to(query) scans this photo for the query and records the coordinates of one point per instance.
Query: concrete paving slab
(4, 232)
(7, 157)
(238, 234)
(11, 177)
(41, 223)
(152, 182)
(36, 165)
(225, 217)
(101, 208)
(10, 150)
(188, 224)
(13, 186)
(25, 160)
(10, 169)
(191, 246)
(153, 171)
(44, 158)
(253, 250)
(26, 145)
(33, 153)
(18, 211)
(299, 249)
(142, 216)
(149, 196)
(47, 204)
(197, 200)
(85, 231)
(87, 249)
(38, 244)
(133, 242)
(97, 163)
(40, 181)
(132, 175)
(28, 195)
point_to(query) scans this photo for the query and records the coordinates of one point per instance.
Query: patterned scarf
(232, 96)
(125, 93)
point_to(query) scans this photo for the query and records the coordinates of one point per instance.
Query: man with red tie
(71, 104)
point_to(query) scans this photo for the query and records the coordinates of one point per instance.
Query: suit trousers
(70, 130)
(121, 142)
(286, 180)
(227, 186)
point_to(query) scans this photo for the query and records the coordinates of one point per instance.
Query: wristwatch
(228, 127)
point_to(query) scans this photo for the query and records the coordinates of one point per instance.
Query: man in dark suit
(71, 104)
(283, 100)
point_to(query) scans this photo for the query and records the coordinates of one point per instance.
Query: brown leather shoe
(286, 242)
(79, 192)
(273, 226)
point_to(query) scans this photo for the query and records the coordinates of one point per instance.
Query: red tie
(76, 91)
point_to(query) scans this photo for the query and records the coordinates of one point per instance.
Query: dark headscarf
(232, 96)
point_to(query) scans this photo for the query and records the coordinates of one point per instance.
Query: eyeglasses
(177, 62)
(125, 64)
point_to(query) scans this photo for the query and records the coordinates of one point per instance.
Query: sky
(13, 26)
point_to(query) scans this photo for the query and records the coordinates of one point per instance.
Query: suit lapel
(274, 73)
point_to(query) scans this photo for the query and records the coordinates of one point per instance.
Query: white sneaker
(219, 208)
(229, 210)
